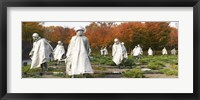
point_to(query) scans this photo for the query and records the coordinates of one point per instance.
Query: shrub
(146, 60)
(169, 72)
(172, 72)
(133, 73)
(155, 65)
(129, 62)
(99, 59)
(174, 67)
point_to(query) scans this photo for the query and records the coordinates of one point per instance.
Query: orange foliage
(101, 34)
(174, 38)
(55, 34)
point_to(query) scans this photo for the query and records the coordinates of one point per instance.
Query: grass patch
(168, 71)
(28, 70)
(145, 60)
(130, 61)
(107, 60)
(50, 69)
(100, 75)
(99, 68)
(31, 76)
(167, 59)
(102, 60)
(156, 65)
(175, 67)
(159, 61)
(133, 73)
(62, 75)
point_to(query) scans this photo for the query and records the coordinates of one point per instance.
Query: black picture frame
(98, 3)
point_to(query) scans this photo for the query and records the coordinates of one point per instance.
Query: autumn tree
(148, 34)
(173, 42)
(58, 33)
(99, 34)
(157, 35)
(130, 33)
(28, 28)
(102, 34)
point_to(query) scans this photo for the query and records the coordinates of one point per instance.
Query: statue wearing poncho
(105, 51)
(77, 61)
(59, 51)
(102, 51)
(137, 52)
(150, 52)
(40, 52)
(124, 51)
(173, 51)
(117, 52)
(133, 51)
(164, 51)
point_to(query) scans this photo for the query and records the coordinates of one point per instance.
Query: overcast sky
(83, 24)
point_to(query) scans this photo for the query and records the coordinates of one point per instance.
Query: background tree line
(101, 34)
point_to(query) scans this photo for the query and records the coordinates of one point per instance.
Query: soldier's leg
(119, 66)
(83, 75)
(136, 57)
(122, 64)
(124, 61)
(42, 69)
(58, 62)
(139, 57)
(45, 66)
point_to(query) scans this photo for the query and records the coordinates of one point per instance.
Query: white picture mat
(182, 84)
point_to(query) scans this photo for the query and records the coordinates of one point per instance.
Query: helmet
(59, 42)
(80, 28)
(115, 39)
(35, 35)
